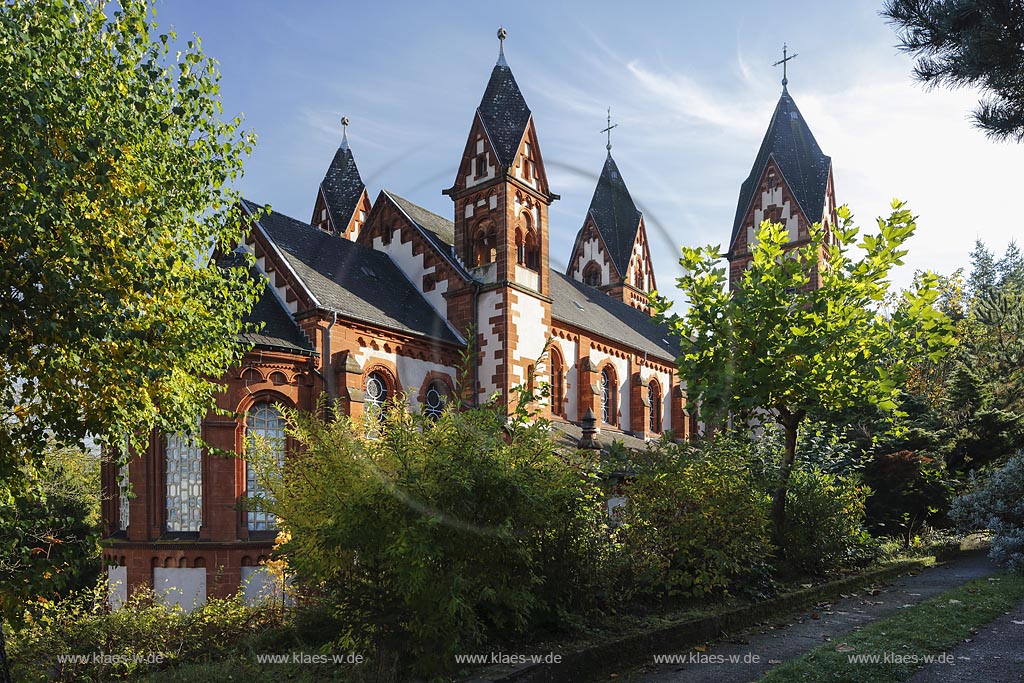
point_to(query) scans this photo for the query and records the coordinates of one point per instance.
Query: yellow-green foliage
(695, 522)
(432, 536)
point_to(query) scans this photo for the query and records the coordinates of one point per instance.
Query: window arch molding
(485, 243)
(608, 394)
(380, 385)
(557, 382)
(436, 393)
(592, 274)
(655, 397)
(264, 419)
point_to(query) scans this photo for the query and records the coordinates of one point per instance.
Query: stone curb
(637, 649)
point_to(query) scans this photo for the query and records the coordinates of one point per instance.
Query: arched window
(531, 251)
(654, 398)
(609, 388)
(484, 246)
(264, 429)
(520, 248)
(435, 399)
(638, 279)
(377, 392)
(184, 495)
(557, 383)
(592, 274)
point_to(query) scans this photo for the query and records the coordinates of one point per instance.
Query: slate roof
(277, 329)
(589, 308)
(439, 230)
(353, 279)
(615, 214)
(804, 167)
(504, 113)
(342, 186)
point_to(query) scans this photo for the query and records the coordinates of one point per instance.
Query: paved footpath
(748, 656)
(995, 655)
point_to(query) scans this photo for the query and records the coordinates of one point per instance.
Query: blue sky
(690, 84)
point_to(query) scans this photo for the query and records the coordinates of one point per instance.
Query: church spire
(342, 201)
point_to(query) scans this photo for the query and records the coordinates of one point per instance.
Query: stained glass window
(376, 391)
(607, 397)
(184, 484)
(435, 400)
(654, 398)
(265, 426)
(122, 500)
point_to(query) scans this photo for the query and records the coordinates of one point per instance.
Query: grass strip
(894, 649)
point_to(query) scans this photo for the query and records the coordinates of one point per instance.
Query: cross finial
(608, 130)
(344, 132)
(502, 35)
(783, 61)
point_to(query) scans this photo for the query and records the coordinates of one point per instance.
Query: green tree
(973, 43)
(116, 168)
(776, 348)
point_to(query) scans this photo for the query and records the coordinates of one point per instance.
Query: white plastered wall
(665, 382)
(413, 266)
(117, 584)
(528, 319)
(411, 371)
(591, 250)
(185, 587)
(770, 198)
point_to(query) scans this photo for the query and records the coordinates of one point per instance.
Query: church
(373, 299)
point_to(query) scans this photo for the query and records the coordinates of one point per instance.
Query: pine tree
(972, 43)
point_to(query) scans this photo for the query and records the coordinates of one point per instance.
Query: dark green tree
(969, 43)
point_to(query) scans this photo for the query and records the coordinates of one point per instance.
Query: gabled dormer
(611, 250)
(789, 183)
(342, 202)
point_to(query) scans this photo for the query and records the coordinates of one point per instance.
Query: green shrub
(694, 523)
(824, 522)
(998, 504)
(83, 625)
(435, 535)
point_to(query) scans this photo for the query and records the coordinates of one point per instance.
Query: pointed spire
(790, 145)
(502, 34)
(503, 109)
(615, 214)
(342, 185)
(344, 133)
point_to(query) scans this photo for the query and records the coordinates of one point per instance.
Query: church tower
(342, 202)
(501, 198)
(611, 250)
(789, 183)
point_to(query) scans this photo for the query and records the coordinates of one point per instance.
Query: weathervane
(608, 130)
(344, 132)
(502, 35)
(783, 61)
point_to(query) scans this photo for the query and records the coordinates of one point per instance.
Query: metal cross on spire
(344, 132)
(608, 130)
(783, 62)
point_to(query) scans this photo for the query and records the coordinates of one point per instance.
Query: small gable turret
(342, 202)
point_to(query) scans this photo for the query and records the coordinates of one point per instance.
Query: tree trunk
(791, 423)
(5, 672)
